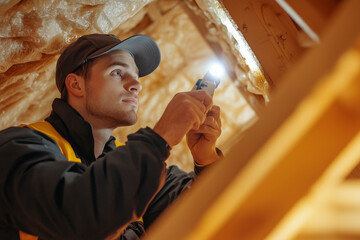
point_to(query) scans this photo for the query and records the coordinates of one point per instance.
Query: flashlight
(211, 79)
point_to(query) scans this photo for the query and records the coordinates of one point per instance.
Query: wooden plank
(270, 33)
(320, 202)
(229, 186)
(336, 218)
(310, 15)
(293, 175)
(200, 23)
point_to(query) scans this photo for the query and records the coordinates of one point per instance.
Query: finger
(215, 113)
(211, 122)
(199, 105)
(209, 126)
(200, 111)
(212, 119)
(191, 101)
(198, 117)
(203, 97)
(208, 132)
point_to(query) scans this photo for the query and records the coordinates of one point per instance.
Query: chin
(131, 120)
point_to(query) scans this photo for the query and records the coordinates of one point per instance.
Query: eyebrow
(116, 63)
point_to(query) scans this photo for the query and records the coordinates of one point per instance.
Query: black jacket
(43, 194)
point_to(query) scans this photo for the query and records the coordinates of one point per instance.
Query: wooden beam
(310, 15)
(254, 172)
(293, 174)
(255, 101)
(270, 33)
(304, 217)
(336, 218)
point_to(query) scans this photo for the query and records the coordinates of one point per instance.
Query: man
(67, 178)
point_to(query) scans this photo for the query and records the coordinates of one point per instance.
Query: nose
(133, 85)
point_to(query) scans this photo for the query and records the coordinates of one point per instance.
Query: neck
(101, 136)
(101, 130)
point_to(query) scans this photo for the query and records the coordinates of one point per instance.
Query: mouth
(130, 100)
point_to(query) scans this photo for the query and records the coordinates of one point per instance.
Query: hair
(83, 71)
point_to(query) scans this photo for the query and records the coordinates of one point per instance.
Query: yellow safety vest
(65, 148)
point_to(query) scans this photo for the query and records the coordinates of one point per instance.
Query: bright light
(217, 70)
(242, 46)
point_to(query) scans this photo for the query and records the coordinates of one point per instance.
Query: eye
(116, 72)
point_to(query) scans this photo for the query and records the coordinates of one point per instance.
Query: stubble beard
(110, 117)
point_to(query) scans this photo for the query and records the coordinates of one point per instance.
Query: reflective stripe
(118, 144)
(25, 236)
(66, 149)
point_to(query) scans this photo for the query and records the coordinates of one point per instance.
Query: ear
(75, 85)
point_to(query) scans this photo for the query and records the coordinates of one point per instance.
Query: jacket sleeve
(45, 195)
(176, 182)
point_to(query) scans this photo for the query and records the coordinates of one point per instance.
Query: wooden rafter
(297, 137)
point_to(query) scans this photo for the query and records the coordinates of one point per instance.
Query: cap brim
(144, 50)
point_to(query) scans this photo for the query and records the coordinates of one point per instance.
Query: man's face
(112, 88)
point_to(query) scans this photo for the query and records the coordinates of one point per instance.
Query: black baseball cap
(143, 49)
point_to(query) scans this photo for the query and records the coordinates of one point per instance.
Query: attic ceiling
(34, 33)
(190, 35)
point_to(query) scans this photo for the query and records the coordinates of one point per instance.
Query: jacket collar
(78, 132)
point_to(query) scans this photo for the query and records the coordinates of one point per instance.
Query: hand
(202, 141)
(186, 111)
